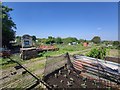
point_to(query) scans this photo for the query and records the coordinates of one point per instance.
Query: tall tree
(116, 43)
(34, 38)
(58, 40)
(69, 40)
(50, 40)
(8, 34)
(96, 39)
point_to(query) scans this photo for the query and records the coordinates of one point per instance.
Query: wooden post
(69, 64)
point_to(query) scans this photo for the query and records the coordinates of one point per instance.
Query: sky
(82, 20)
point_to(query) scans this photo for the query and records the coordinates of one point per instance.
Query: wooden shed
(26, 41)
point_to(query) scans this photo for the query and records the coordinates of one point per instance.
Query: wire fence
(54, 62)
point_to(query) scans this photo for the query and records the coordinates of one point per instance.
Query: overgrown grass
(68, 48)
(113, 52)
(6, 63)
(36, 66)
(62, 50)
(2, 60)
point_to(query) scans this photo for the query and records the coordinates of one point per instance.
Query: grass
(65, 48)
(62, 50)
(70, 48)
(36, 66)
(4, 62)
(83, 52)
(113, 52)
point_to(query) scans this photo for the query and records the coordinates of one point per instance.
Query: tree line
(51, 40)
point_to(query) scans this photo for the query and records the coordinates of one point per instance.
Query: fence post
(69, 64)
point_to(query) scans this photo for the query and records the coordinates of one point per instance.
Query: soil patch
(70, 79)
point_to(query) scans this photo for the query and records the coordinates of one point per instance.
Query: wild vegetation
(99, 53)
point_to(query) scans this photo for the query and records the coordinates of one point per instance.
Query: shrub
(97, 53)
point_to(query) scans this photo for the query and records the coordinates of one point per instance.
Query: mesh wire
(53, 63)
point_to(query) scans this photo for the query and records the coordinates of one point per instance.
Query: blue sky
(83, 20)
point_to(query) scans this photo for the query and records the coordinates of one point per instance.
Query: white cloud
(99, 28)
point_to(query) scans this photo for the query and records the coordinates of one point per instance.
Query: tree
(8, 34)
(116, 43)
(82, 40)
(43, 40)
(96, 39)
(58, 40)
(50, 40)
(34, 38)
(69, 40)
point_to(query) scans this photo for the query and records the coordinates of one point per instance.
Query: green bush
(97, 53)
